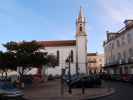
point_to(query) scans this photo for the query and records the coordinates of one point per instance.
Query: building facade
(95, 62)
(118, 50)
(76, 49)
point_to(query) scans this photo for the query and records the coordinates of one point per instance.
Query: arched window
(71, 55)
(58, 58)
(80, 28)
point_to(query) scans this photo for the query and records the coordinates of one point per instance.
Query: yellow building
(95, 62)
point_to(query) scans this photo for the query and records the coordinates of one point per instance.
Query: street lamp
(68, 61)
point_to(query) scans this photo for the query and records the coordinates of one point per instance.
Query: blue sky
(55, 19)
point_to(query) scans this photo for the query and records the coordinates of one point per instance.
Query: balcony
(92, 61)
(120, 62)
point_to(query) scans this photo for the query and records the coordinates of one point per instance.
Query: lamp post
(68, 60)
(62, 81)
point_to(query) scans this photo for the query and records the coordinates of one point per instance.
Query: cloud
(117, 10)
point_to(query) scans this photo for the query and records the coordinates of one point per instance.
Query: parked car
(71, 78)
(7, 90)
(130, 79)
(86, 82)
(116, 77)
(125, 77)
(105, 76)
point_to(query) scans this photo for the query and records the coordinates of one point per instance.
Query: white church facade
(77, 48)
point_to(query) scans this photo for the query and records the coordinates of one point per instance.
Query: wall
(81, 42)
(64, 53)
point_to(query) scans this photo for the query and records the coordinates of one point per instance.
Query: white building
(76, 48)
(118, 50)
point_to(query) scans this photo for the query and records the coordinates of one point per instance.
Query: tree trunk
(2, 77)
(6, 74)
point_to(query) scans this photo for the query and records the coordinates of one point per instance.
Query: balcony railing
(120, 62)
(92, 61)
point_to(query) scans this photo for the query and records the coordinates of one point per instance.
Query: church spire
(81, 17)
(80, 23)
(81, 13)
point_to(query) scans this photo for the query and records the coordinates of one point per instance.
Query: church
(75, 49)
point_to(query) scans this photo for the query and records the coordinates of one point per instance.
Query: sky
(55, 20)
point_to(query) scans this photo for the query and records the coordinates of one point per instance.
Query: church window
(58, 57)
(71, 55)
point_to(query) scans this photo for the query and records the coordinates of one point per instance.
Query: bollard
(70, 90)
(83, 87)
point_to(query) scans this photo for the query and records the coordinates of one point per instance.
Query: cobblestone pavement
(51, 91)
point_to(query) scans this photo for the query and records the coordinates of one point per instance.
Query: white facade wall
(111, 54)
(64, 52)
(113, 51)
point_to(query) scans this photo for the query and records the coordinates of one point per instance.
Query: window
(71, 55)
(119, 56)
(124, 54)
(129, 38)
(112, 45)
(131, 52)
(80, 28)
(105, 49)
(100, 60)
(113, 58)
(118, 43)
(58, 58)
(123, 40)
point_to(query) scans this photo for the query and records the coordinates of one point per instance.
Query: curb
(111, 91)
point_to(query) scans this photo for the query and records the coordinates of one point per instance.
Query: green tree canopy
(25, 55)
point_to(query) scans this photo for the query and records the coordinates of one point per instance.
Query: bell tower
(81, 43)
(80, 23)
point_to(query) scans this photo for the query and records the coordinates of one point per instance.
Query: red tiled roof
(58, 43)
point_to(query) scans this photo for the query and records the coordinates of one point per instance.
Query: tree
(7, 61)
(27, 55)
(51, 60)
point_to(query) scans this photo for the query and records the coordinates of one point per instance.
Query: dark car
(130, 79)
(7, 90)
(71, 78)
(116, 77)
(86, 82)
